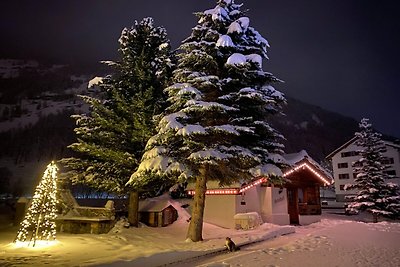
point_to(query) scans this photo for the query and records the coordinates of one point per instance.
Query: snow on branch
(191, 129)
(212, 156)
(170, 121)
(196, 105)
(266, 170)
(225, 128)
(225, 41)
(217, 14)
(95, 81)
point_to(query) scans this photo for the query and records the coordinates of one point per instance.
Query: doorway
(293, 205)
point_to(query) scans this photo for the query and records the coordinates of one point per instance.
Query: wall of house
(274, 207)
(345, 175)
(309, 219)
(249, 201)
(269, 202)
(220, 209)
(394, 153)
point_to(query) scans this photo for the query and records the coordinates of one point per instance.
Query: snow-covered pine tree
(374, 194)
(112, 136)
(216, 125)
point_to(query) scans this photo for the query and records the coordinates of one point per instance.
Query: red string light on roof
(228, 191)
(236, 191)
(231, 191)
(305, 165)
(247, 187)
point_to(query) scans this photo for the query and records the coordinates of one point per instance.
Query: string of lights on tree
(39, 221)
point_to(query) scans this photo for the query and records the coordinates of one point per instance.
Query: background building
(343, 157)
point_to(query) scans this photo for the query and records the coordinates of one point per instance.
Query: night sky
(340, 55)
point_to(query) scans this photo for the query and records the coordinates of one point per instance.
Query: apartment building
(342, 163)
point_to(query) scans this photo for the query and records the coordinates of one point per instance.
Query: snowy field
(335, 241)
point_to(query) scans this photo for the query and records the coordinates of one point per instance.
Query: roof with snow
(352, 140)
(301, 160)
(297, 161)
(154, 205)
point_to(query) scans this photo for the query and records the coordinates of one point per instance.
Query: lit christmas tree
(39, 222)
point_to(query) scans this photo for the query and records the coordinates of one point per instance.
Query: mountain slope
(35, 124)
(312, 128)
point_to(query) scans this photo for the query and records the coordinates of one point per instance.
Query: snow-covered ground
(144, 245)
(335, 241)
(332, 242)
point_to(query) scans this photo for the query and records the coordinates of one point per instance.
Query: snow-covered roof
(302, 157)
(153, 205)
(351, 141)
(294, 158)
(334, 152)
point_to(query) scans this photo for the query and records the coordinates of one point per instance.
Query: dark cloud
(341, 55)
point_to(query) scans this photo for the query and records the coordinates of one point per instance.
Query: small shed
(157, 213)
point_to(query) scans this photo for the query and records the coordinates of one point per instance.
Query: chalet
(297, 202)
(342, 160)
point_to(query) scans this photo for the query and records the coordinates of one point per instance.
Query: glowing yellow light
(231, 191)
(39, 244)
(39, 222)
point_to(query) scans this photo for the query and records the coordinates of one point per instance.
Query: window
(344, 176)
(387, 161)
(355, 175)
(357, 164)
(349, 154)
(341, 187)
(391, 172)
(343, 165)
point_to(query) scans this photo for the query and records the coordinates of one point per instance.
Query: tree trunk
(195, 230)
(133, 208)
(375, 217)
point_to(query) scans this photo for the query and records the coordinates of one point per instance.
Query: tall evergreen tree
(374, 194)
(112, 136)
(216, 125)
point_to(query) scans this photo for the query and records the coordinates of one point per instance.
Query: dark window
(343, 165)
(344, 176)
(349, 154)
(391, 172)
(388, 161)
(341, 187)
(355, 175)
(357, 164)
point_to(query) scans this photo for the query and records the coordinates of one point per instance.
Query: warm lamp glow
(39, 244)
